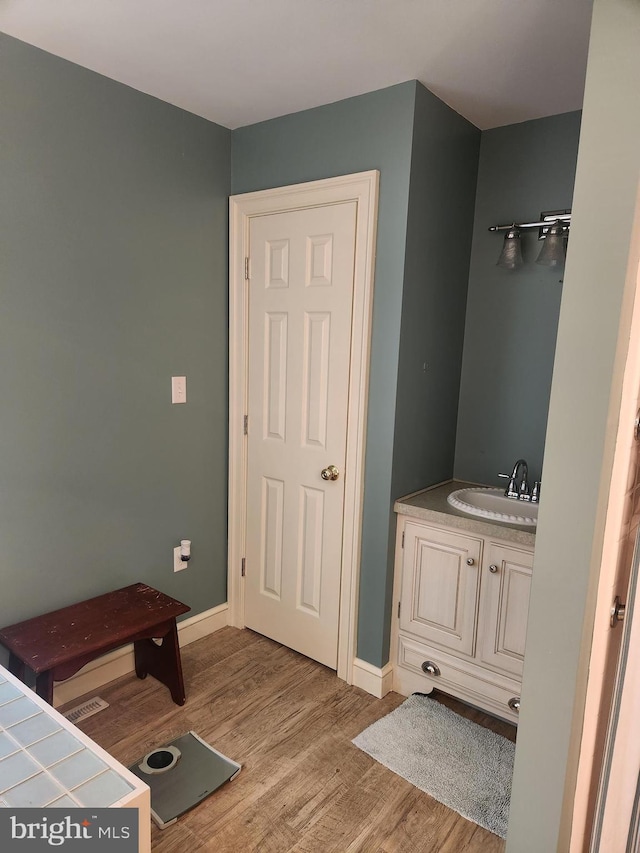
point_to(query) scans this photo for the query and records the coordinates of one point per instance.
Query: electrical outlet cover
(178, 564)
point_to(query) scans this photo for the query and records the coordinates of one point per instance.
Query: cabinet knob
(470, 561)
(430, 668)
(493, 568)
(514, 704)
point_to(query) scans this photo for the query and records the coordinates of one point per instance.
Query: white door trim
(614, 565)
(363, 189)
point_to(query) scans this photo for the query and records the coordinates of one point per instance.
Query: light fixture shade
(553, 249)
(511, 255)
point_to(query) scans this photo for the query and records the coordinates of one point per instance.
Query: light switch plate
(178, 389)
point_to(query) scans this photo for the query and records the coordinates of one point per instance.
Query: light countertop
(47, 761)
(431, 505)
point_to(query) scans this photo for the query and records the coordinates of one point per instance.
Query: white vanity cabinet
(504, 607)
(440, 584)
(462, 599)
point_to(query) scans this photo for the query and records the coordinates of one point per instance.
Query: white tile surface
(7, 745)
(54, 748)
(15, 769)
(77, 769)
(33, 729)
(64, 802)
(38, 791)
(35, 740)
(17, 710)
(104, 790)
(8, 692)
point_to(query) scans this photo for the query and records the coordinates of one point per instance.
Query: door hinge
(399, 604)
(617, 611)
(244, 567)
(246, 425)
(402, 546)
(246, 269)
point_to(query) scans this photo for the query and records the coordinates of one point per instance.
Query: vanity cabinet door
(440, 580)
(506, 587)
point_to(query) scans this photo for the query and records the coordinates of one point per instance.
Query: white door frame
(363, 189)
(616, 502)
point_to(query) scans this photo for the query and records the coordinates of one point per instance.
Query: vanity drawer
(457, 676)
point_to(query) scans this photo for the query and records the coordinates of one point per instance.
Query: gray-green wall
(113, 278)
(512, 315)
(444, 165)
(377, 131)
(373, 131)
(581, 434)
(125, 285)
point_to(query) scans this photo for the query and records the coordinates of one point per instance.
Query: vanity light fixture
(511, 255)
(553, 228)
(554, 246)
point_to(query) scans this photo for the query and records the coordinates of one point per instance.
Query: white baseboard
(378, 682)
(120, 662)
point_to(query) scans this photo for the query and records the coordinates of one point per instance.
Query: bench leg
(163, 662)
(16, 667)
(44, 686)
(44, 681)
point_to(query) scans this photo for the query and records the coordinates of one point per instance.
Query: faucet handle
(512, 487)
(535, 494)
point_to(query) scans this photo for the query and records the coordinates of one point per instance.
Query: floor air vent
(87, 709)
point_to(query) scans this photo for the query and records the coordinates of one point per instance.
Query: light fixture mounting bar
(547, 218)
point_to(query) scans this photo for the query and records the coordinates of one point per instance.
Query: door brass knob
(330, 473)
(493, 568)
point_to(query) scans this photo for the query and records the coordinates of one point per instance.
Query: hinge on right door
(246, 269)
(244, 567)
(246, 424)
(617, 611)
(402, 546)
(399, 604)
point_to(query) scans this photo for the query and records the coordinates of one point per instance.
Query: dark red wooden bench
(56, 645)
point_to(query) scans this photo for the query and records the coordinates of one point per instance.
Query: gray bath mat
(459, 763)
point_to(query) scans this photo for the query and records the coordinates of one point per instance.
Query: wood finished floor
(289, 721)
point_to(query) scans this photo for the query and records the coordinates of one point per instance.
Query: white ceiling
(241, 61)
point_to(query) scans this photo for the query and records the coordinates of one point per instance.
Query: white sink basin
(492, 504)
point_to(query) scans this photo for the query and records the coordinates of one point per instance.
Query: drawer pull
(514, 704)
(430, 668)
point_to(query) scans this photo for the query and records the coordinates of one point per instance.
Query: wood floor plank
(289, 721)
(176, 839)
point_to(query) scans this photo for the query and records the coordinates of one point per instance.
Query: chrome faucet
(518, 487)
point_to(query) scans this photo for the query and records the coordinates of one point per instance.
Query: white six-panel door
(300, 306)
(317, 553)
